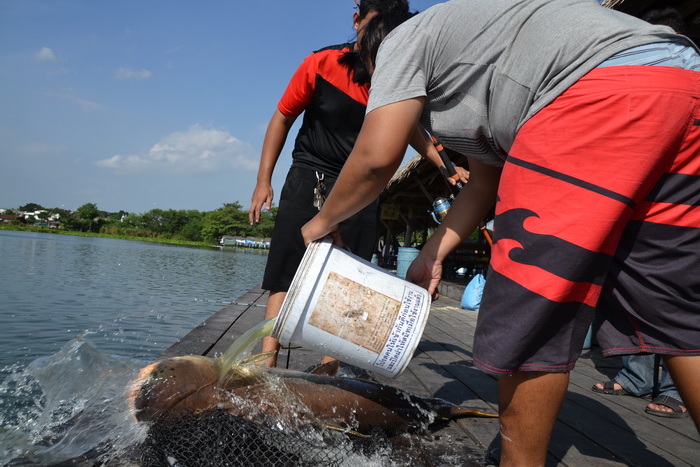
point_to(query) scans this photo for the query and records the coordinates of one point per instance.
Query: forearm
(275, 137)
(421, 142)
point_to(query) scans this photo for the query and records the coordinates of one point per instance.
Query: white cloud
(196, 150)
(45, 54)
(126, 73)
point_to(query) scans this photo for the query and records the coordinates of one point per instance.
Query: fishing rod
(442, 205)
(448, 168)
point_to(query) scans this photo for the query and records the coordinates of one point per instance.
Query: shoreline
(122, 237)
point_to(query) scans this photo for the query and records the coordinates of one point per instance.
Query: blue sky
(136, 105)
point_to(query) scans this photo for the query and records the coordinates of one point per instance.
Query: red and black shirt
(334, 109)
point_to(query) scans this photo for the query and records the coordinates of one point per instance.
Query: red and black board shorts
(598, 212)
(296, 208)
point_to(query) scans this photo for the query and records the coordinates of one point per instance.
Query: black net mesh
(214, 437)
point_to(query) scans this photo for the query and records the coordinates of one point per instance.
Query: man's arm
(275, 137)
(423, 144)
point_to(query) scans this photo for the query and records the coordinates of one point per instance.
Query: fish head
(175, 383)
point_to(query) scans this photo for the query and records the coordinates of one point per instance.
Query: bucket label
(402, 332)
(355, 313)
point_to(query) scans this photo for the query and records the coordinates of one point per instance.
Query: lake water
(132, 298)
(78, 317)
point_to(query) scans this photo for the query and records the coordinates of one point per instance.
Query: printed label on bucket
(355, 313)
(403, 331)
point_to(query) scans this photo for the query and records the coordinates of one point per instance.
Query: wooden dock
(592, 429)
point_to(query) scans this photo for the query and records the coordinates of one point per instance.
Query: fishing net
(216, 438)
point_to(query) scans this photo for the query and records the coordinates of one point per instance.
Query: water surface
(79, 316)
(132, 298)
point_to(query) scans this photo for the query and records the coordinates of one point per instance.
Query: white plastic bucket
(345, 307)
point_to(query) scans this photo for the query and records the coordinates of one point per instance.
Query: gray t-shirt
(486, 66)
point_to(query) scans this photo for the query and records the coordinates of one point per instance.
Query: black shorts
(295, 209)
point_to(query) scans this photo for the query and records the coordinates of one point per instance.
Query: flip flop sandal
(674, 404)
(609, 388)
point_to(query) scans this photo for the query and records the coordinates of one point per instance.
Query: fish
(273, 396)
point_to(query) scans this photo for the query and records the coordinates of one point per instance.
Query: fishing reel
(439, 209)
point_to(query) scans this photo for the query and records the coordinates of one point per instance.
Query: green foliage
(266, 225)
(31, 207)
(227, 220)
(177, 225)
(87, 211)
(88, 218)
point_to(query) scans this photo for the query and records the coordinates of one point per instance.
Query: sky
(135, 105)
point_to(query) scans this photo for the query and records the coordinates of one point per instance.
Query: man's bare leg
(528, 404)
(274, 305)
(685, 372)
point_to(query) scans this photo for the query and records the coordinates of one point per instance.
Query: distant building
(242, 242)
(6, 218)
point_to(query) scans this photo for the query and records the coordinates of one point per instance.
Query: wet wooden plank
(205, 337)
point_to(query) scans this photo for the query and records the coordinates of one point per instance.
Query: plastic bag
(471, 300)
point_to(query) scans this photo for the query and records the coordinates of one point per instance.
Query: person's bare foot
(664, 408)
(616, 387)
(611, 387)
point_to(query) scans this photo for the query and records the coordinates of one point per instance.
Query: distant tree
(229, 219)
(87, 211)
(88, 218)
(123, 223)
(266, 225)
(191, 229)
(153, 221)
(192, 225)
(31, 207)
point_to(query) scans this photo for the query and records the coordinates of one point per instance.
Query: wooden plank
(204, 337)
(596, 424)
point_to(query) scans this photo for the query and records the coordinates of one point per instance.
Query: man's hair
(382, 6)
(667, 17)
(373, 33)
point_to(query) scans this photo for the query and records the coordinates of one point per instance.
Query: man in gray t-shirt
(491, 74)
(583, 124)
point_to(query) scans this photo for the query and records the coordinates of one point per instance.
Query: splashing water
(66, 405)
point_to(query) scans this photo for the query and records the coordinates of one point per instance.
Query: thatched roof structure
(409, 196)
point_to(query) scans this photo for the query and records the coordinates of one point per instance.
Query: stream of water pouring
(243, 345)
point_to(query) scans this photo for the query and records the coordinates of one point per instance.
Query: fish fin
(330, 368)
(346, 431)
